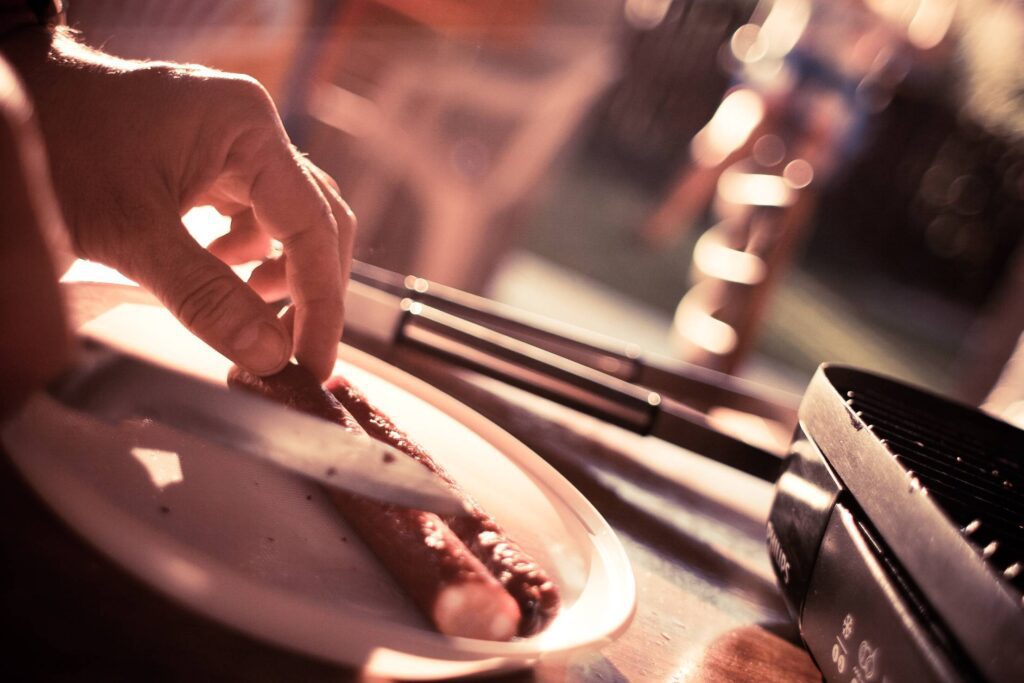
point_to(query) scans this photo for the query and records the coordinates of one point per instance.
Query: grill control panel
(856, 623)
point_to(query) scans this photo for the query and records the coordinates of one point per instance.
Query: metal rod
(577, 386)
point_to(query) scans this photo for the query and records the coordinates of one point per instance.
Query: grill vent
(978, 481)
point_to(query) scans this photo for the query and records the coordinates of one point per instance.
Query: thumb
(212, 302)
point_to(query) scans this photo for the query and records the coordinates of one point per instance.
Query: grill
(974, 479)
(897, 534)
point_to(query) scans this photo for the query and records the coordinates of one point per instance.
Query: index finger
(287, 201)
(343, 217)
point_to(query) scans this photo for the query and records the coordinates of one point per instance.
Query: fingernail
(261, 348)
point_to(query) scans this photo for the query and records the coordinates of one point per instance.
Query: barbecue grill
(897, 534)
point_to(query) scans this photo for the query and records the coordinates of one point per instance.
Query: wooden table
(708, 608)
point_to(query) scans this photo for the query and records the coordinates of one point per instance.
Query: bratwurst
(534, 591)
(449, 585)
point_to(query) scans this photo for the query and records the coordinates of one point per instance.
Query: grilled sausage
(534, 591)
(443, 578)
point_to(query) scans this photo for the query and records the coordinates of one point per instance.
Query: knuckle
(332, 183)
(314, 238)
(203, 303)
(112, 239)
(249, 96)
(331, 301)
(347, 221)
(325, 216)
(319, 218)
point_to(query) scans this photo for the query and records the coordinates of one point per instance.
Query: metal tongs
(598, 376)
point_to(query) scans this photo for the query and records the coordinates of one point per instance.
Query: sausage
(534, 591)
(445, 580)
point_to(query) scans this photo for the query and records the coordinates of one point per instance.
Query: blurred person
(131, 146)
(838, 66)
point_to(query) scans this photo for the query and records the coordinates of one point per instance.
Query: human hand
(35, 344)
(135, 145)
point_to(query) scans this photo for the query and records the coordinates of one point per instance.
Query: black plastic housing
(896, 534)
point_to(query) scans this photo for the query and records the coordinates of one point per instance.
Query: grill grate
(974, 477)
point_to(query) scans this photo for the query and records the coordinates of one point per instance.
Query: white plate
(263, 551)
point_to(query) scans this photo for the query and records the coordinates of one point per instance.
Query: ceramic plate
(263, 551)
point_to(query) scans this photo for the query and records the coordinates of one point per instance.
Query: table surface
(708, 607)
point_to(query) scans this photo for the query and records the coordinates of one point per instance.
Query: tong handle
(692, 385)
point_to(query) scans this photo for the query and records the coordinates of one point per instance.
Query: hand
(35, 344)
(135, 145)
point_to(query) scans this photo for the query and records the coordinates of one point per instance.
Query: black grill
(976, 481)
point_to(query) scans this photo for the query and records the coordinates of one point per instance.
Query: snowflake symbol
(847, 626)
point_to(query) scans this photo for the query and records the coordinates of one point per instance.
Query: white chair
(468, 138)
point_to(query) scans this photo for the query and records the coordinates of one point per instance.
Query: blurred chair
(727, 138)
(463, 133)
(737, 262)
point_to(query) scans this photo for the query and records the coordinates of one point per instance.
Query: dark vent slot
(977, 482)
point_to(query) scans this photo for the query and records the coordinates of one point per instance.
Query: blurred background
(753, 186)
